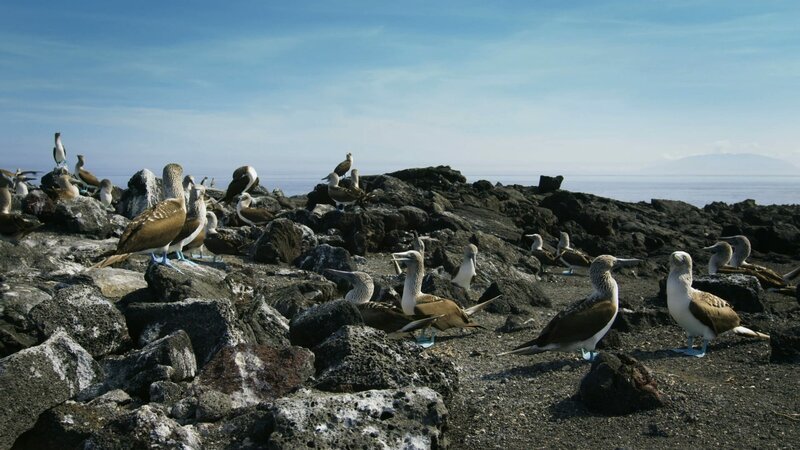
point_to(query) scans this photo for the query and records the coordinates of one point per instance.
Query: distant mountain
(724, 164)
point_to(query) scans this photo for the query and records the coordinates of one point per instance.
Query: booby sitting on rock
(154, 229)
(571, 257)
(13, 227)
(342, 168)
(546, 257)
(251, 216)
(468, 269)
(199, 242)
(584, 323)
(343, 196)
(64, 189)
(59, 152)
(105, 194)
(244, 179)
(84, 175)
(378, 315)
(194, 224)
(416, 304)
(720, 262)
(699, 313)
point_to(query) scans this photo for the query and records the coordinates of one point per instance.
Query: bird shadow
(568, 408)
(535, 370)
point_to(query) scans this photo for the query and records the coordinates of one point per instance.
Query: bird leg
(164, 261)
(689, 345)
(697, 353)
(423, 340)
(589, 355)
(183, 258)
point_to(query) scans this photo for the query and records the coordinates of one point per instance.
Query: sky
(486, 87)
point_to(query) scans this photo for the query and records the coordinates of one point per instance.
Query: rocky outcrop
(169, 285)
(283, 241)
(144, 191)
(315, 324)
(82, 215)
(146, 427)
(618, 384)
(324, 257)
(116, 283)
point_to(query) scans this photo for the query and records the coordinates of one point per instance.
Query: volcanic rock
(283, 241)
(618, 384)
(785, 345)
(324, 257)
(143, 192)
(82, 215)
(315, 324)
(169, 285)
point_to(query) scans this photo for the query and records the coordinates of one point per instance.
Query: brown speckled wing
(713, 312)
(154, 228)
(578, 322)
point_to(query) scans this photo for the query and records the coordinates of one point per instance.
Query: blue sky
(487, 87)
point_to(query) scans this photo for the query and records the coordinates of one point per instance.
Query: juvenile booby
(14, 227)
(59, 152)
(737, 261)
(154, 229)
(571, 257)
(244, 179)
(342, 168)
(105, 194)
(468, 269)
(415, 303)
(194, 224)
(546, 257)
(64, 189)
(251, 216)
(343, 196)
(378, 315)
(84, 175)
(699, 313)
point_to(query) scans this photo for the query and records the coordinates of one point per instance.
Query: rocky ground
(254, 351)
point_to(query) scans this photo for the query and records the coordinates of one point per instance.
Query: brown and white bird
(344, 196)
(700, 314)
(13, 226)
(468, 268)
(378, 315)
(584, 323)
(252, 216)
(153, 230)
(64, 189)
(571, 257)
(194, 224)
(244, 179)
(546, 257)
(59, 152)
(418, 244)
(84, 175)
(342, 168)
(199, 242)
(106, 192)
(416, 304)
(724, 254)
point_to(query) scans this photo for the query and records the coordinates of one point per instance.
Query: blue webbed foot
(588, 355)
(426, 341)
(164, 261)
(182, 258)
(697, 353)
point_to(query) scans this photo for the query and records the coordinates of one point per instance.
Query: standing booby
(768, 278)
(21, 184)
(64, 189)
(699, 313)
(59, 152)
(154, 229)
(546, 257)
(417, 304)
(468, 269)
(199, 241)
(378, 315)
(342, 168)
(343, 196)
(571, 257)
(251, 216)
(14, 227)
(194, 224)
(244, 179)
(211, 183)
(418, 244)
(105, 194)
(584, 323)
(203, 181)
(84, 175)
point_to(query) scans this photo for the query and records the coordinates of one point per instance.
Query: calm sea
(696, 190)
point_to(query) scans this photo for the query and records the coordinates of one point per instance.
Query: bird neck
(679, 281)
(5, 201)
(333, 181)
(740, 254)
(716, 261)
(604, 284)
(173, 188)
(412, 287)
(361, 293)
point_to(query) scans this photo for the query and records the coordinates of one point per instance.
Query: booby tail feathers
(113, 259)
(744, 331)
(480, 306)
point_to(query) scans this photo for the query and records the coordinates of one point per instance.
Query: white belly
(678, 305)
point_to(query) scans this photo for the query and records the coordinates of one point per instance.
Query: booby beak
(626, 262)
(339, 273)
(727, 239)
(401, 257)
(710, 247)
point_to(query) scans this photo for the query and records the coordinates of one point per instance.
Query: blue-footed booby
(468, 269)
(84, 175)
(64, 189)
(59, 152)
(251, 216)
(153, 230)
(194, 224)
(342, 168)
(418, 244)
(571, 257)
(105, 194)
(581, 325)
(546, 257)
(343, 196)
(727, 259)
(378, 315)
(416, 304)
(14, 227)
(244, 179)
(699, 313)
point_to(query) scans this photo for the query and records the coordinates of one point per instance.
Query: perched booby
(251, 216)
(84, 175)
(571, 257)
(418, 244)
(203, 181)
(699, 313)
(188, 183)
(64, 189)
(211, 183)
(154, 229)
(14, 227)
(213, 241)
(417, 304)
(342, 168)
(467, 270)
(584, 323)
(546, 257)
(351, 182)
(105, 194)
(194, 224)
(343, 196)
(199, 242)
(244, 179)
(729, 259)
(378, 315)
(59, 152)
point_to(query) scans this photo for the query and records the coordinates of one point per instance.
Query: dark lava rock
(251, 374)
(145, 427)
(232, 241)
(38, 378)
(359, 358)
(88, 317)
(67, 425)
(324, 257)
(435, 284)
(412, 418)
(168, 285)
(210, 324)
(40, 205)
(263, 324)
(439, 178)
(517, 297)
(165, 392)
(82, 215)
(143, 192)
(641, 320)
(17, 331)
(212, 406)
(785, 345)
(315, 324)
(549, 184)
(611, 341)
(743, 292)
(618, 384)
(168, 359)
(515, 323)
(282, 241)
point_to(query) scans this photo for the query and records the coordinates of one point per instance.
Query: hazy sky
(508, 87)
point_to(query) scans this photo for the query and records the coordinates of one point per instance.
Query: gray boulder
(263, 324)
(145, 427)
(38, 378)
(410, 418)
(283, 241)
(88, 317)
(16, 330)
(82, 215)
(618, 384)
(324, 257)
(168, 285)
(315, 324)
(116, 283)
(143, 192)
(68, 425)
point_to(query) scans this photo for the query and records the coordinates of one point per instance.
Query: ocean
(696, 190)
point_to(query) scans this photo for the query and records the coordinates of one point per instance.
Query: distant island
(724, 164)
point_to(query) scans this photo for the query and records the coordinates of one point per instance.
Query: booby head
(349, 157)
(332, 179)
(63, 181)
(81, 160)
(354, 177)
(412, 258)
(722, 256)
(741, 248)
(363, 286)
(538, 242)
(188, 182)
(211, 222)
(197, 199)
(563, 242)
(106, 184)
(172, 175)
(680, 262)
(245, 200)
